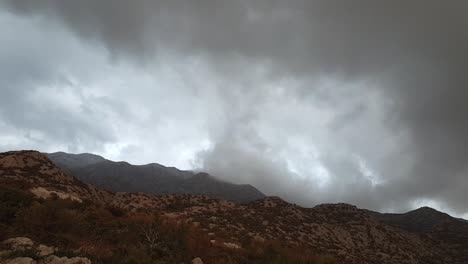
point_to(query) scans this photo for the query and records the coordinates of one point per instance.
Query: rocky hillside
(151, 178)
(268, 230)
(441, 227)
(34, 171)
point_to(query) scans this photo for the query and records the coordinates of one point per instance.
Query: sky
(323, 101)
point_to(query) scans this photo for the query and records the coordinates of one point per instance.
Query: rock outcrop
(43, 254)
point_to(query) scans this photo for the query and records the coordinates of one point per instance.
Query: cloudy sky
(362, 101)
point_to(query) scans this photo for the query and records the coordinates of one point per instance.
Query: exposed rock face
(42, 192)
(350, 234)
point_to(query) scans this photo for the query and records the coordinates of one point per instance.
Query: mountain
(66, 160)
(437, 225)
(122, 227)
(151, 178)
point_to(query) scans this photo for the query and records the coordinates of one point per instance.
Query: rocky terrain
(151, 178)
(449, 232)
(339, 233)
(36, 253)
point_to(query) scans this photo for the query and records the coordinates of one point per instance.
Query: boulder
(197, 261)
(43, 250)
(19, 243)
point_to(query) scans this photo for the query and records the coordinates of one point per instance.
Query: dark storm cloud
(413, 54)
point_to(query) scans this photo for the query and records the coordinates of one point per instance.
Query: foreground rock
(43, 254)
(197, 261)
(19, 243)
(20, 260)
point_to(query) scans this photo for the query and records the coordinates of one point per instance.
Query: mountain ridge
(152, 178)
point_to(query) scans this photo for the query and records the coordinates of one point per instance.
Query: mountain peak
(426, 211)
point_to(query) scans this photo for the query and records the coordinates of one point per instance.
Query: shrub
(11, 201)
(49, 221)
(116, 211)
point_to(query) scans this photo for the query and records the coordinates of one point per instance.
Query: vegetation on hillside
(112, 235)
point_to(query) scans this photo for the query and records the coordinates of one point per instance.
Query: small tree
(151, 236)
(152, 240)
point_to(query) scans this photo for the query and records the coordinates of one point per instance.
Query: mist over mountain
(151, 178)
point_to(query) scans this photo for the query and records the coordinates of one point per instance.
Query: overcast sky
(361, 101)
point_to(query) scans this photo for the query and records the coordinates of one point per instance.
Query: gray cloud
(359, 101)
(36, 91)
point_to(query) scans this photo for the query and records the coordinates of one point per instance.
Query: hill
(449, 231)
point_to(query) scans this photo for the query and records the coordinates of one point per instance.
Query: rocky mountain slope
(448, 231)
(151, 178)
(343, 232)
